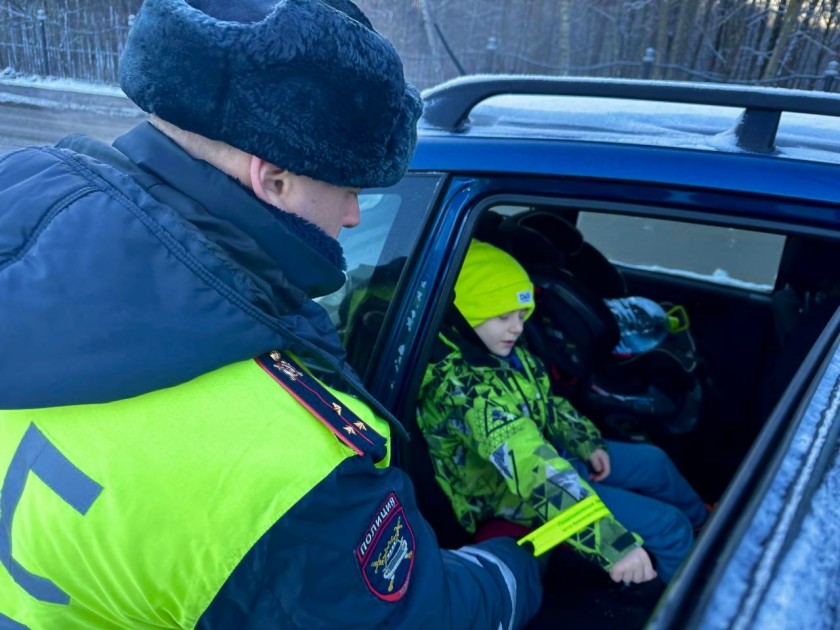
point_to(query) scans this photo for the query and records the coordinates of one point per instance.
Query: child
(504, 447)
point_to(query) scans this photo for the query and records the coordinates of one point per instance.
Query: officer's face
(327, 206)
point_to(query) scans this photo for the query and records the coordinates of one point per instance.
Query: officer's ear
(270, 183)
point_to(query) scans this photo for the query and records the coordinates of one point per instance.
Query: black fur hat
(307, 85)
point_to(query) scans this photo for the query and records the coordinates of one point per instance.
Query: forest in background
(785, 43)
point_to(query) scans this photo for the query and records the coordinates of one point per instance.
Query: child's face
(500, 333)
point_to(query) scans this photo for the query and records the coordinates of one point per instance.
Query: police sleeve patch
(386, 551)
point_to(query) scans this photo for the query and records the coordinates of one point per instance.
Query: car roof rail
(448, 106)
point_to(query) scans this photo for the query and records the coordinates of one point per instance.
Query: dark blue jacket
(129, 269)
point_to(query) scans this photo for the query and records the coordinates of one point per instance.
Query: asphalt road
(33, 116)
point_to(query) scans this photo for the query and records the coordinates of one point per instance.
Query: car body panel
(758, 175)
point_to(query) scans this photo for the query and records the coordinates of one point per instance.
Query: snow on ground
(69, 94)
(10, 77)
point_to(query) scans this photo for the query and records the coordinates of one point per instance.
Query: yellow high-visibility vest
(132, 514)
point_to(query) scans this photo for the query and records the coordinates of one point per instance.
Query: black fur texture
(307, 85)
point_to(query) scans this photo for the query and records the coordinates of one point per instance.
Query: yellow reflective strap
(678, 319)
(566, 524)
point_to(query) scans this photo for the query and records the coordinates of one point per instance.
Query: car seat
(579, 257)
(575, 332)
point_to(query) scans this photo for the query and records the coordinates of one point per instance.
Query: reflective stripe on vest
(134, 513)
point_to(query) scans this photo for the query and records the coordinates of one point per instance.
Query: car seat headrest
(565, 236)
(532, 249)
(571, 251)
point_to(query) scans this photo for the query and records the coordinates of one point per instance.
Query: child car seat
(575, 332)
(579, 257)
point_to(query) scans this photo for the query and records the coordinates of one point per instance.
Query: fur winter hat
(307, 85)
(491, 283)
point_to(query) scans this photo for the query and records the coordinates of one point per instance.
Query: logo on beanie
(525, 297)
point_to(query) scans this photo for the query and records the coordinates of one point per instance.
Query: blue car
(720, 203)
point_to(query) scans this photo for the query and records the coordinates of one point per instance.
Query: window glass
(376, 251)
(723, 255)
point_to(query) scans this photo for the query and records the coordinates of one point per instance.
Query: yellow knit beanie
(491, 283)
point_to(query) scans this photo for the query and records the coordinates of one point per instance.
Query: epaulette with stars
(342, 421)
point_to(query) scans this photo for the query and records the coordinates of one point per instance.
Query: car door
(770, 555)
(730, 576)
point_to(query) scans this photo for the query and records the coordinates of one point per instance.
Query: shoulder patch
(386, 551)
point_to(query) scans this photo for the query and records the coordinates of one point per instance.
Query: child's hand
(634, 568)
(599, 462)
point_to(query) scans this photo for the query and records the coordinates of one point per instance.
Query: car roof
(781, 123)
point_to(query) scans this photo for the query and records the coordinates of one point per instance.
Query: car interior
(702, 395)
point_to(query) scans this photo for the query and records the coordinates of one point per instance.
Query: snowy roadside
(66, 94)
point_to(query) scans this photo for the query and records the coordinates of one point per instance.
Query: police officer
(167, 458)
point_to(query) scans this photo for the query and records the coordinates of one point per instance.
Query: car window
(376, 251)
(723, 255)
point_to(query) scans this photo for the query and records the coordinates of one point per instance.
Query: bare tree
(783, 26)
(777, 42)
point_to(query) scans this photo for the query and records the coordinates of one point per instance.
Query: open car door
(770, 555)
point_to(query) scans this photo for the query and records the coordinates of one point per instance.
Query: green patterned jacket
(492, 431)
